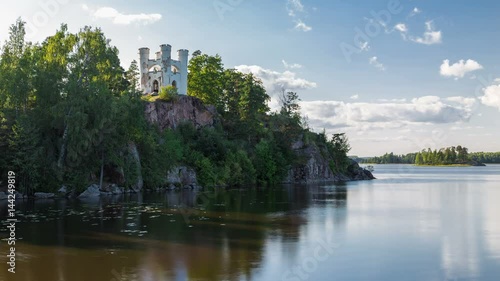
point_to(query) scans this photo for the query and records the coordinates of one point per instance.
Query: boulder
(91, 191)
(355, 172)
(112, 189)
(63, 190)
(182, 176)
(118, 190)
(43, 195)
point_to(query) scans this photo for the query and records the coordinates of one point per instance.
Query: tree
(16, 70)
(266, 166)
(132, 76)
(290, 105)
(94, 84)
(252, 102)
(205, 79)
(418, 159)
(338, 147)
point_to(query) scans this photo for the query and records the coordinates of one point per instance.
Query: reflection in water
(424, 224)
(174, 236)
(491, 209)
(460, 257)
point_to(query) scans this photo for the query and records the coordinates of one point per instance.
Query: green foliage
(205, 78)
(290, 107)
(391, 158)
(68, 109)
(445, 156)
(458, 155)
(269, 163)
(26, 156)
(169, 93)
(238, 96)
(241, 169)
(338, 147)
(486, 157)
(206, 172)
(160, 152)
(132, 76)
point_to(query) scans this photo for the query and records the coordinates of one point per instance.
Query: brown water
(412, 224)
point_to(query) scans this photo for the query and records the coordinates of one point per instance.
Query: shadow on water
(185, 235)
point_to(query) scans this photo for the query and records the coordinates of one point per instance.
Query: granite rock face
(168, 115)
(315, 167)
(91, 191)
(182, 176)
(356, 173)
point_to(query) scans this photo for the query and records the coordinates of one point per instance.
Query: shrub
(169, 93)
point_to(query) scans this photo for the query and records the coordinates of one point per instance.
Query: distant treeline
(390, 158)
(444, 156)
(486, 157)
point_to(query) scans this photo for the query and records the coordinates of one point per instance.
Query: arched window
(174, 84)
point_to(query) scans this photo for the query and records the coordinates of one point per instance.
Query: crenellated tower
(163, 70)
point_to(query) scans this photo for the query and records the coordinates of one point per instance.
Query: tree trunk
(132, 148)
(102, 170)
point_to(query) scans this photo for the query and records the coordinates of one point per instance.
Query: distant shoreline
(451, 165)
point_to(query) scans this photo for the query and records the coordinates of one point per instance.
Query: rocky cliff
(182, 109)
(315, 167)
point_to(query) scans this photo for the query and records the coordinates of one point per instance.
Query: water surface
(413, 223)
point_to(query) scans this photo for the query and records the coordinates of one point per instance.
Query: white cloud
(491, 96)
(430, 37)
(374, 61)
(122, 19)
(302, 26)
(364, 46)
(294, 6)
(464, 101)
(296, 10)
(415, 11)
(401, 27)
(354, 97)
(393, 100)
(423, 110)
(276, 81)
(459, 69)
(291, 66)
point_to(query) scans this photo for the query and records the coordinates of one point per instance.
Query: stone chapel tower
(163, 70)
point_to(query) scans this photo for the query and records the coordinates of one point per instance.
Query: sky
(395, 76)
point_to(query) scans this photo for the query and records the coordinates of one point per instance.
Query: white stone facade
(163, 70)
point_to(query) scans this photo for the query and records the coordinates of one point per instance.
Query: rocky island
(91, 128)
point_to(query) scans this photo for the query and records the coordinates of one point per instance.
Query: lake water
(413, 223)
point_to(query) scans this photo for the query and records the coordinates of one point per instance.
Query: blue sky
(422, 74)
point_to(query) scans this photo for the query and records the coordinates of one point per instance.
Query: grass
(150, 98)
